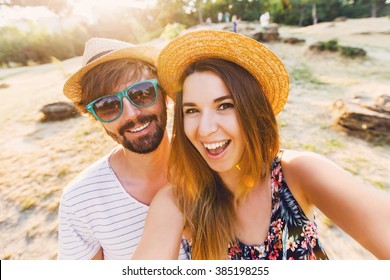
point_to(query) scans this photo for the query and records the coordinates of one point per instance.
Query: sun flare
(87, 8)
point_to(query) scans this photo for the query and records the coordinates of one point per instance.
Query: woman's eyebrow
(191, 104)
(219, 99)
(222, 98)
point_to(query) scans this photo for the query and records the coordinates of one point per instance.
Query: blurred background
(337, 53)
(38, 31)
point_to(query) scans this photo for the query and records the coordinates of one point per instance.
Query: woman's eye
(190, 111)
(225, 106)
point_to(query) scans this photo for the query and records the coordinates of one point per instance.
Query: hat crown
(253, 56)
(96, 47)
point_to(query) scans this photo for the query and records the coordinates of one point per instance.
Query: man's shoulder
(93, 173)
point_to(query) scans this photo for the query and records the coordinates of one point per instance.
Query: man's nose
(129, 109)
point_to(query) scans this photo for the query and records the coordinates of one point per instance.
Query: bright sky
(112, 3)
(86, 7)
(31, 13)
(83, 8)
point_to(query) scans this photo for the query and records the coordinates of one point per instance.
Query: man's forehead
(128, 81)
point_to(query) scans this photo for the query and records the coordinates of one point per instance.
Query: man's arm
(75, 239)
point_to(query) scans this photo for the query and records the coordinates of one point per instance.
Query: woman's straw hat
(253, 56)
(100, 50)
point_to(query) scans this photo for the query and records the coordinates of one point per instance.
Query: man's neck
(145, 165)
(142, 175)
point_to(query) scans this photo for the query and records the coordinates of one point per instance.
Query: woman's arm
(163, 229)
(361, 211)
(99, 255)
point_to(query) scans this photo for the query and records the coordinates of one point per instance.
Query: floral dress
(291, 235)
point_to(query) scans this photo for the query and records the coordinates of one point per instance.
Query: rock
(318, 47)
(340, 19)
(293, 40)
(365, 118)
(58, 111)
(381, 104)
(269, 33)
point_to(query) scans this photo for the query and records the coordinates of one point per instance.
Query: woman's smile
(210, 121)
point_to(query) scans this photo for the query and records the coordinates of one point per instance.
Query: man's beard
(143, 144)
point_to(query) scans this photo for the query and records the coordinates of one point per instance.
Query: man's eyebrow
(219, 99)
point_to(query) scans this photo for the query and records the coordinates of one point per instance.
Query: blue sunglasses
(109, 107)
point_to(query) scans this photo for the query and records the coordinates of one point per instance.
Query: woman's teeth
(214, 146)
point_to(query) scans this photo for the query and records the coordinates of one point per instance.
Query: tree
(364, 8)
(170, 11)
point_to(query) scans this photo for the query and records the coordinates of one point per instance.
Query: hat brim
(250, 54)
(72, 87)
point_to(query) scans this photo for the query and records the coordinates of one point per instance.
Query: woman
(235, 194)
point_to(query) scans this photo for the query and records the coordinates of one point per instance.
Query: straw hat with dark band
(99, 50)
(253, 56)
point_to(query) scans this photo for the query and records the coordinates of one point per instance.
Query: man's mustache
(132, 124)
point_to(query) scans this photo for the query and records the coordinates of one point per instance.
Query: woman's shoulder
(164, 195)
(289, 155)
(164, 209)
(298, 167)
(303, 161)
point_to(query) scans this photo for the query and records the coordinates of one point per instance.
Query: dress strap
(279, 156)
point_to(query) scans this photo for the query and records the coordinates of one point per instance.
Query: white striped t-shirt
(95, 211)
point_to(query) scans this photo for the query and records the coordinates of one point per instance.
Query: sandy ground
(39, 159)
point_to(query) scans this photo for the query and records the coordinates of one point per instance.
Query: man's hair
(208, 206)
(102, 79)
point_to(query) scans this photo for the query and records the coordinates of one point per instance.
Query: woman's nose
(207, 125)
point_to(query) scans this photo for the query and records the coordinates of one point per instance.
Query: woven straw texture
(250, 54)
(116, 50)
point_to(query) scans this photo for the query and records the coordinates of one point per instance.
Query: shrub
(331, 45)
(172, 30)
(352, 52)
(38, 45)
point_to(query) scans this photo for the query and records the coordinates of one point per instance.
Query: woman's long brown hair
(208, 206)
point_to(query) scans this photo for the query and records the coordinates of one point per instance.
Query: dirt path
(39, 159)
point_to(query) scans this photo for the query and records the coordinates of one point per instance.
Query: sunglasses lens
(142, 94)
(107, 108)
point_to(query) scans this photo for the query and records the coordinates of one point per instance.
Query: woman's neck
(231, 179)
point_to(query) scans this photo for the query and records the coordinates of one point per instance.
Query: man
(103, 210)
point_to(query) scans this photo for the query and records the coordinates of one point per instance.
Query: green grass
(32, 232)
(353, 169)
(334, 143)
(53, 208)
(309, 147)
(63, 171)
(7, 256)
(59, 66)
(302, 73)
(48, 192)
(379, 184)
(282, 124)
(28, 203)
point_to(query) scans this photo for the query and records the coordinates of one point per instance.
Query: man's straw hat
(253, 56)
(100, 50)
